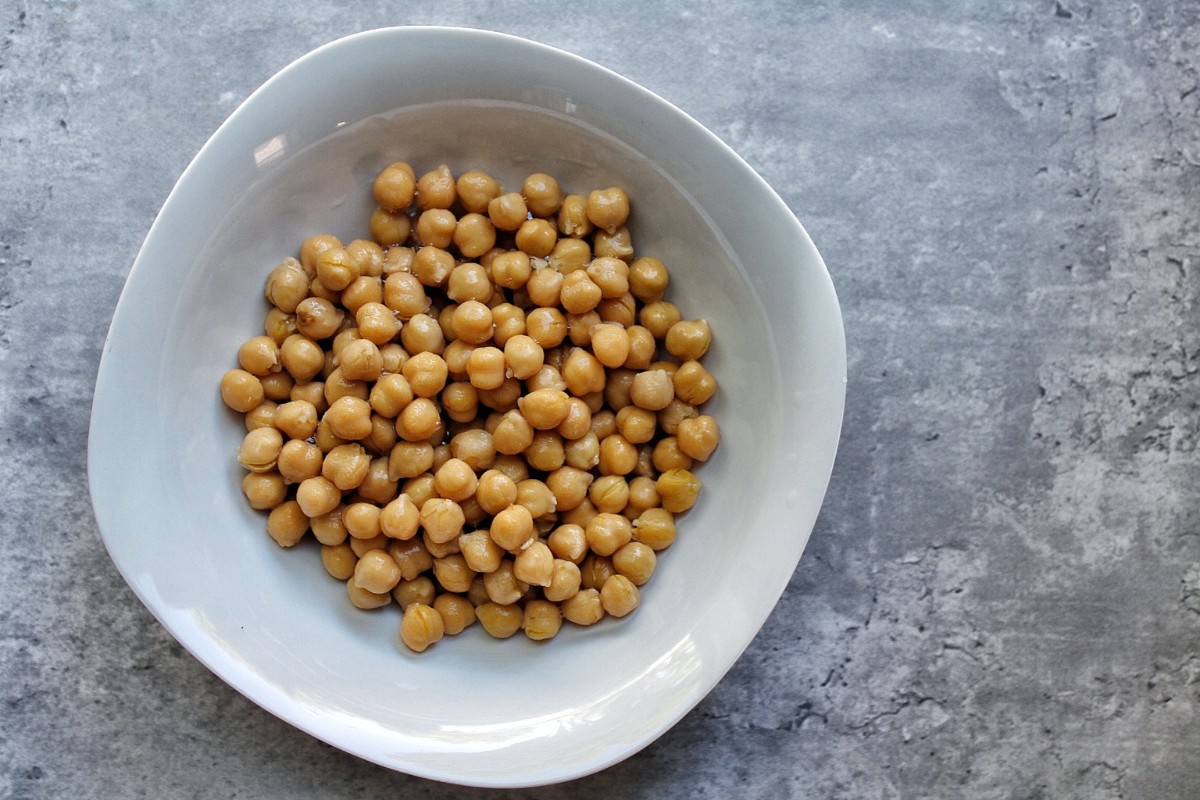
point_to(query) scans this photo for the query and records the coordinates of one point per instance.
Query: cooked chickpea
(508, 321)
(420, 589)
(637, 424)
(339, 561)
(419, 420)
(452, 573)
(512, 527)
(474, 235)
(345, 466)
(541, 620)
(534, 565)
(240, 390)
(698, 437)
(583, 453)
(328, 528)
(426, 373)
(436, 188)
(658, 317)
(404, 294)
(400, 518)
(617, 455)
(411, 556)
(583, 373)
(349, 418)
(536, 496)
(456, 611)
(580, 327)
(472, 322)
(317, 496)
(421, 626)
(277, 386)
(569, 486)
(259, 451)
(436, 227)
(287, 285)
(678, 489)
(287, 523)
(546, 452)
(495, 491)
(688, 340)
(694, 384)
(675, 412)
(508, 211)
(542, 194)
(667, 455)
(262, 415)
(609, 494)
(259, 355)
(583, 608)
(544, 287)
(579, 293)
(636, 561)
(619, 596)
(573, 217)
(546, 326)
(264, 490)
(504, 397)
(299, 460)
(500, 620)
(365, 599)
(395, 186)
(476, 189)
(545, 409)
(481, 554)
(390, 228)
(536, 237)
(502, 585)
(432, 265)
(376, 572)
(318, 318)
(608, 208)
(279, 325)
(485, 367)
(652, 390)
(608, 532)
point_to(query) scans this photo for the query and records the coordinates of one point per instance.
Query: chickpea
(667, 455)
(345, 466)
(277, 386)
(390, 228)
(420, 589)
(513, 434)
(452, 573)
(504, 397)
(259, 355)
(610, 344)
(287, 523)
(287, 285)
(573, 217)
(349, 418)
(617, 455)
(336, 269)
(472, 322)
(500, 620)
(545, 409)
(482, 555)
(534, 565)
(541, 620)
(583, 373)
(298, 461)
(512, 528)
(545, 287)
(698, 437)
(456, 611)
(579, 293)
(620, 310)
(618, 244)
(546, 326)
(536, 496)
(546, 452)
(643, 494)
(400, 518)
(420, 627)
(395, 186)
(316, 496)
(578, 420)
(508, 211)
(411, 556)
(619, 596)
(542, 194)
(583, 608)
(502, 585)
(608, 532)
(432, 265)
(678, 489)
(365, 599)
(636, 561)
(436, 188)
(675, 412)
(548, 377)
(580, 326)
(476, 189)
(608, 208)
(328, 528)
(658, 317)
(426, 373)
(583, 453)
(312, 392)
(404, 294)
(376, 572)
(262, 415)
(260, 448)
(240, 390)
(507, 321)
(339, 561)
(637, 424)
(688, 340)
(279, 325)
(569, 486)
(318, 318)
(652, 390)
(495, 491)
(475, 235)
(397, 258)
(694, 384)
(609, 494)
(536, 237)
(419, 420)
(264, 490)
(436, 227)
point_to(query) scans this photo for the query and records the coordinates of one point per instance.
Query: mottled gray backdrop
(1002, 596)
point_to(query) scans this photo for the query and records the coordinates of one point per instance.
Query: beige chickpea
(361, 361)
(500, 620)
(476, 189)
(667, 455)
(259, 355)
(395, 186)
(472, 322)
(609, 493)
(390, 228)
(420, 627)
(410, 459)
(523, 356)
(569, 486)
(436, 226)
(349, 418)
(619, 310)
(512, 528)
(541, 620)
(279, 325)
(365, 599)
(578, 420)
(678, 489)
(637, 424)
(617, 455)
(405, 295)
(536, 237)
(426, 373)
(544, 287)
(262, 415)
(420, 589)
(474, 235)
(545, 409)
(652, 390)
(608, 532)
(259, 451)
(502, 585)
(636, 561)
(316, 496)
(568, 542)
(569, 255)
(240, 390)
(277, 386)
(618, 244)
(658, 317)
(610, 274)
(619, 596)
(674, 413)
(485, 368)
(546, 452)
(536, 496)
(688, 340)
(436, 188)
(299, 460)
(376, 572)
(456, 611)
(346, 466)
(264, 490)
(583, 608)
(579, 293)
(698, 436)
(336, 269)
(504, 397)
(534, 565)
(542, 194)
(339, 561)
(546, 326)
(694, 384)
(482, 554)
(583, 373)
(422, 333)
(452, 573)
(418, 421)
(564, 581)
(608, 209)
(287, 523)
(376, 322)
(513, 434)
(495, 491)
(580, 326)
(508, 321)
(610, 344)
(318, 318)
(328, 528)
(508, 211)
(572, 217)
(362, 290)
(287, 285)
(297, 419)
(400, 518)
(582, 453)
(411, 556)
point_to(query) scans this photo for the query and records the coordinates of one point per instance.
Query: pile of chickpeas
(487, 412)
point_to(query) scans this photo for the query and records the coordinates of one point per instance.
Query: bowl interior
(298, 159)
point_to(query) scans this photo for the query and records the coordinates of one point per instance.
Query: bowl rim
(102, 408)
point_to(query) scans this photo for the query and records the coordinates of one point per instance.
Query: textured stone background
(1002, 597)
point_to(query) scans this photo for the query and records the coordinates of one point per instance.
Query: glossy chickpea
(620, 310)
(456, 611)
(395, 186)
(619, 596)
(609, 494)
(378, 486)
(279, 325)
(637, 424)
(318, 318)
(390, 228)
(658, 317)
(345, 466)
(583, 373)
(260, 448)
(579, 293)
(363, 289)
(648, 279)
(337, 385)
(419, 420)
(241, 391)
(390, 395)
(455, 480)
(536, 496)
(452, 573)
(495, 491)
(546, 326)
(317, 496)
(578, 420)
(432, 265)
(548, 377)
(618, 244)
(312, 247)
(486, 368)
(698, 437)
(511, 270)
(361, 361)
(472, 322)
(349, 418)
(608, 209)
(476, 189)
(460, 401)
(617, 455)
(688, 340)
(573, 218)
(287, 285)
(420, 627)
(404, 294)
(481, 554)
(310, 392)
(474, 235)
(469, 281)
(595, 570)
(500, 620)
(536, 237)
(583, 608)
(582, 453)
(541, 620)
(545, 409)
(678, 490)
(436, 188)
(546, 452)
(542, 194)
(421, 334)
(534, 565)
(544, 287)
(610, 274)
(569, 485)
(652, 390)
(262, 415)
(475, 448)
(400, 518)
(365, 599)
(376, 572)
(674, 413)
(287, 523)
(339, 561)
(420, 589)
(610, 344)
(426, 373)
(512, 528)
(504, 397)
(264, 490)
(580, 327)
(436, 227)
(508, 321)
(299, 460)
(259, 356)
(508, 211)
(636, 561)
(608, 532)
(411, 557)
(667, 455)
(336, 268)
(523, 356)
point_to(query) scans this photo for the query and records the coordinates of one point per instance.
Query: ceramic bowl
(298, 158)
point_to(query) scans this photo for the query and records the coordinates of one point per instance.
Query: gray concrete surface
(1002, 596)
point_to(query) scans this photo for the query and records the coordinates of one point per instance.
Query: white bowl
(297, 158)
